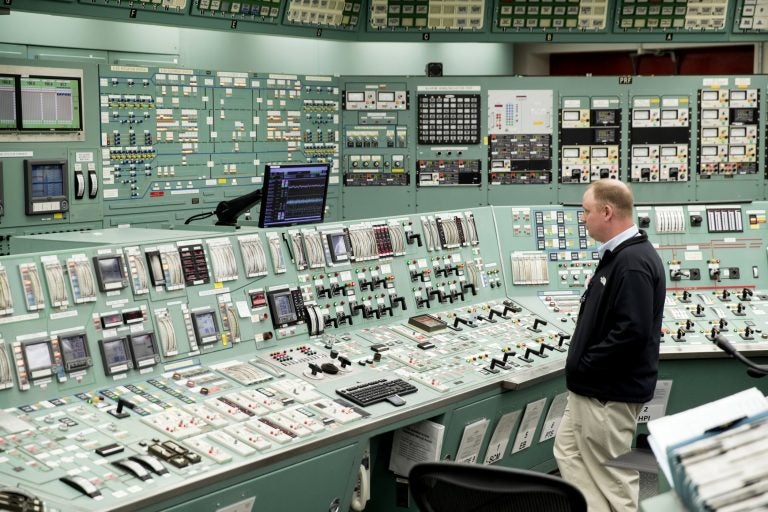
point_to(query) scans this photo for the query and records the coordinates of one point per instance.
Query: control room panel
(137, 363)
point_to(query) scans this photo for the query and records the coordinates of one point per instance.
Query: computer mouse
(329, 368)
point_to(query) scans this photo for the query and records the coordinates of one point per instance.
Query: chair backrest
(454, 487)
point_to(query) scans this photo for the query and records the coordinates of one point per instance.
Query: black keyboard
(377, 391)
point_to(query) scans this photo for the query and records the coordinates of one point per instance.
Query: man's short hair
(614, 192)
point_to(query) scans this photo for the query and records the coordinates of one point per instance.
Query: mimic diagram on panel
(172, 132)
(520, 137)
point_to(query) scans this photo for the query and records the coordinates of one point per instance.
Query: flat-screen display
(338, 246)
(51, 104)
(206, 328)
(9, 109)
(293, 194)
(143, 349)
(74, 352)
(109, 272)
(282, 307)
(45, 186)
(115, 355)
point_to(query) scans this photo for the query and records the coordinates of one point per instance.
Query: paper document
(531, 417)
(497, 446)
(554, 417)
(420, 442)
(472, 441)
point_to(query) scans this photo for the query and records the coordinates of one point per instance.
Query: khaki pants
(592, 433)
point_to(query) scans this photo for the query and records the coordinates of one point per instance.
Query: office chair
(454, 487)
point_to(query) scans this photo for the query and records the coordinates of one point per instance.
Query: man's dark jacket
(614, 351)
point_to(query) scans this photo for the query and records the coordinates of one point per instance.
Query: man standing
(612, 362)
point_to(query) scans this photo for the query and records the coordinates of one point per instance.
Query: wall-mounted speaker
(434, 69)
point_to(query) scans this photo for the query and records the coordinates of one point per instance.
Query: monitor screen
(115, 356)
(47, 180)
(9, 109)
(338, 245)
(109, 272)
(74, 351)
(45, 186)
(293, 194)
(38, 356)
(206, 329)
(51, 103)
(282, 307)
(143, 349)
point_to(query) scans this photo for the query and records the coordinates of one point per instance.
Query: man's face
(594, 216)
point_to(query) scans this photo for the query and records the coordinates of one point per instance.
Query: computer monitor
(45, 184)
(38, 359)
(115, 355)
(9, 108)
(293, 194)
(51, 103)
(74, 351)
(110, 272)
(143, 350)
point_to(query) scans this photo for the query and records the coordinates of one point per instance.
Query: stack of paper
(716, 455)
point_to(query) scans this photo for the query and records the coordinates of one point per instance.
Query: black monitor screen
(293, 194)
(109, 271)
(51, 103)
(143, 349)
(45, 186)
(8, 105)
(74, 350)
(206, 329)
(338, 246)
(283, 308)
(115, 356)
(47, 180)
